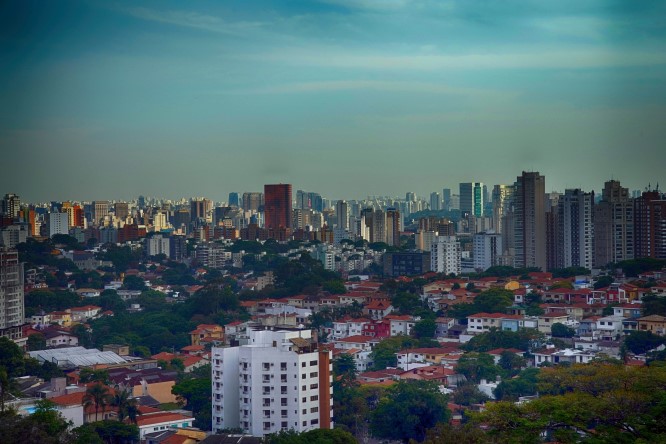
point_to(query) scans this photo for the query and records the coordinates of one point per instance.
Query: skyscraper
(530, 221)
(234, 200)
(446, 198)
(650, 225)
(393, 226)
(11, 205)
(100, 211)
(502, 195)
(435, 201)
(201, 209)
(471, 198)
(277, 206)
(121, 209)
(342, 215)
(253, 201)
(11, 289)
(575, 229)
(613, 225)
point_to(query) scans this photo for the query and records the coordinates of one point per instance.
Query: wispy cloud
(556, 59)
(373, 85)
(191, 19)
(375, 5)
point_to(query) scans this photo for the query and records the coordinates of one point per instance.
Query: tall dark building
(613, 225)
(234, 200)
(121, 209)
(530, 220)
(277, 206)
(650, 225)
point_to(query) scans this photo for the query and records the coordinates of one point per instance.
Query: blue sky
(346, 98)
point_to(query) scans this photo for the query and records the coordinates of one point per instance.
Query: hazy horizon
(341, 97)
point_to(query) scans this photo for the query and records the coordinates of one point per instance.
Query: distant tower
(11, 205)
(342, 215)
(650, 225)
(575, 229)
(277, 206)
(234, 200)
(435, 201)
(11, 289)
(613, 225)
(471, 198)
(530, 221)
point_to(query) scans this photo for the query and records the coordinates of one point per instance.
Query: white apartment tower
(445, 255)
(11, 289)
(575, 237)
(487, 250)
(278, 381)
(157, 244)
(58, 224)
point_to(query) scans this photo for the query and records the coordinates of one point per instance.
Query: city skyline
(115, 100)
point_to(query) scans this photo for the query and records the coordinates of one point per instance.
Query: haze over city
(349, 98)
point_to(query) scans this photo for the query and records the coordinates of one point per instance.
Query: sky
(348, 98)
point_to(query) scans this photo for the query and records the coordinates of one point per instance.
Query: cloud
(554, 59)
(196, 20)
(372, 85)
(374, 5)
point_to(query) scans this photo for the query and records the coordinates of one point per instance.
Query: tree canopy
(408, 410)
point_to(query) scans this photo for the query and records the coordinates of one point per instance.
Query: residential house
(155, 422)
(378, 309)
(653, 323)
(610, 327)
(546, 321)
(206, 331)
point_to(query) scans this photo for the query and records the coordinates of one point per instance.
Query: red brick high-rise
(277, 206)
(650, 225)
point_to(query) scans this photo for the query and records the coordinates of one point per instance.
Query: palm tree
(99, 396)
(127, 406)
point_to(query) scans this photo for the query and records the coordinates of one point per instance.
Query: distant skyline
(348, 98)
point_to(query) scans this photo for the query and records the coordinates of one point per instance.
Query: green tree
(11, 357)
(98, 396)
(494, 300)
(593, 403)
(654, 305)
(511, 363)
(425, 328)
(384, 353)
(468, 394)
(195, 394)
(476, 366)
(408, 410)
(523, 384)
(336, 286)
(494, 338)
(559, 330)
(127, 406)
(108, 431)
(344, 367)
(640, 342)
(319, 436)
(36, 341)
(603, 282)
(136, 283)
(90, 375)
